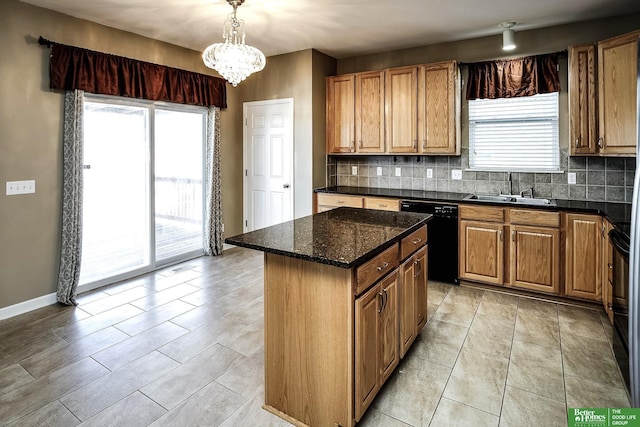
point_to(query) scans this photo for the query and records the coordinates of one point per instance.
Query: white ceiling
(337, 28)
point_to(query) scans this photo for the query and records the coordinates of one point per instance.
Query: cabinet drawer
(368, 273)
(535, 217)
(382, 204)
(337, 200)
(413, 242)
(481, 213)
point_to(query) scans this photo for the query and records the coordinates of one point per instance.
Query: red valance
(510, 78)
(101, 73)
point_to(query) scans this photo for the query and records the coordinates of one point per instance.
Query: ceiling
(337, 28)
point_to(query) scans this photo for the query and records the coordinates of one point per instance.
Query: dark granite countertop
(343, 237)
(618, 213)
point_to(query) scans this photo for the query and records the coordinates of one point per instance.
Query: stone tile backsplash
(597, 178)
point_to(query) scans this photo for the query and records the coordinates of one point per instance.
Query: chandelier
(233, 59)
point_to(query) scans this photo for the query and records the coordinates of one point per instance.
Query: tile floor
(184, 347)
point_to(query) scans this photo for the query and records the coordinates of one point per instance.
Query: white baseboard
(26, 306)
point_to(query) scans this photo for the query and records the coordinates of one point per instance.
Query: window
(514, 134)
(143, 187)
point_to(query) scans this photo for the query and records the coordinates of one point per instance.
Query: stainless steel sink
(509, 198)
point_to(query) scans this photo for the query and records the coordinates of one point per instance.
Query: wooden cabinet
(617, 88)
(376, 338)
(341, 114)
(534, 254)
(326, 201)
(439, 108)
(401, 109)
(413, 298)
(607, 270)
(369, 112)
(582, 100)
(583, 256)
(481, 244)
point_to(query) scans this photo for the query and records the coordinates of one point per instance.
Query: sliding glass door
(143, 187)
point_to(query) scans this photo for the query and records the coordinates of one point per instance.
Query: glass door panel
(179, 221)
(115, 235)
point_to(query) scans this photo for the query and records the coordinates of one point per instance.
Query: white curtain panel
(213, 232)
(71, 244)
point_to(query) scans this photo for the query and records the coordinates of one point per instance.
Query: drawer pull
(610, 266)
(382, 205)
(340, 202)
(383, 266)
(416, 241)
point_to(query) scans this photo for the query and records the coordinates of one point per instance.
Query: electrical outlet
(571, 178)
(456, 174)
(379, 171)
(429, 173)
(398, 172)
(354, 170)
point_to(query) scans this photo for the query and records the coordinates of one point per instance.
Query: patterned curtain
(213, 233)
(71, 245)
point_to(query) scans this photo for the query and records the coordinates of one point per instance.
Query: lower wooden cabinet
(481, 248)
(583, 256)
(535, 258)
(413, 298)
(376, 338)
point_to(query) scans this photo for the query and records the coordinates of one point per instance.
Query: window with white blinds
(514, 134)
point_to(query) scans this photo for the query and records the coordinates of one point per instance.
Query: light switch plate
(571, 178)
(379, 170)
(354, 170)
(429, 173)
(456, 174)
(20, 187)
(398, 172)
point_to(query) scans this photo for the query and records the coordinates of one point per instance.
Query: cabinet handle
(577, 144)
(386, 299)
(513, 235)
(340, 202)
(610, 266)
(416, 268)
(415, 144)
(382, 205)
(383, 266)
(600, 143)
(416, 241)
(424, 144)
(353, 146)
(500, 233)
(360, 144)
(381, 302)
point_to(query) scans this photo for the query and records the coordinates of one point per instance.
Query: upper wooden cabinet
(341, 114)
(617, 89)
(370, 112)
(582, 100)
(405, 110)
(401, 114)
(439, 108)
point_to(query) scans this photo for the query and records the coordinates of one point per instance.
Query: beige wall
(31, 137)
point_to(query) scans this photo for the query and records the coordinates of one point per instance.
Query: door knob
(285, 185)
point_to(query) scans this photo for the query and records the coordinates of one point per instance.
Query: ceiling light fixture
(233, 59)
(508, 36)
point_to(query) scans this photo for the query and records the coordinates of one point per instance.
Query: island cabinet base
(309, 341)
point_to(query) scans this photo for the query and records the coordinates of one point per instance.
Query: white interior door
(268, 163)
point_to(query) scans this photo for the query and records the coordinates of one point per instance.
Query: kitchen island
(345, 296)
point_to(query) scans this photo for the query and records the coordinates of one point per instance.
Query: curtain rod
(560, 53)
(45, 42)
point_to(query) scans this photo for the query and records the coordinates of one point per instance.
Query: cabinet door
(370, 112)
(437, 108)
(389, 345)
(535, 254)
(481, 251)
(617, 81)
(401, 115)
(583, 251)
(582, 100)
(407, 304)
(420, 284)
(367, 347)
(341, 114)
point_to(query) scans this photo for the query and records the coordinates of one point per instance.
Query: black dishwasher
(442, 237)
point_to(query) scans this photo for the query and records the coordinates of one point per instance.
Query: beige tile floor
(184, 347)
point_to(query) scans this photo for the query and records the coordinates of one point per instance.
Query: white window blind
(514, 134)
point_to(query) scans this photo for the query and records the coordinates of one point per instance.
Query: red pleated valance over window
(95, 72)
(510, 78)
